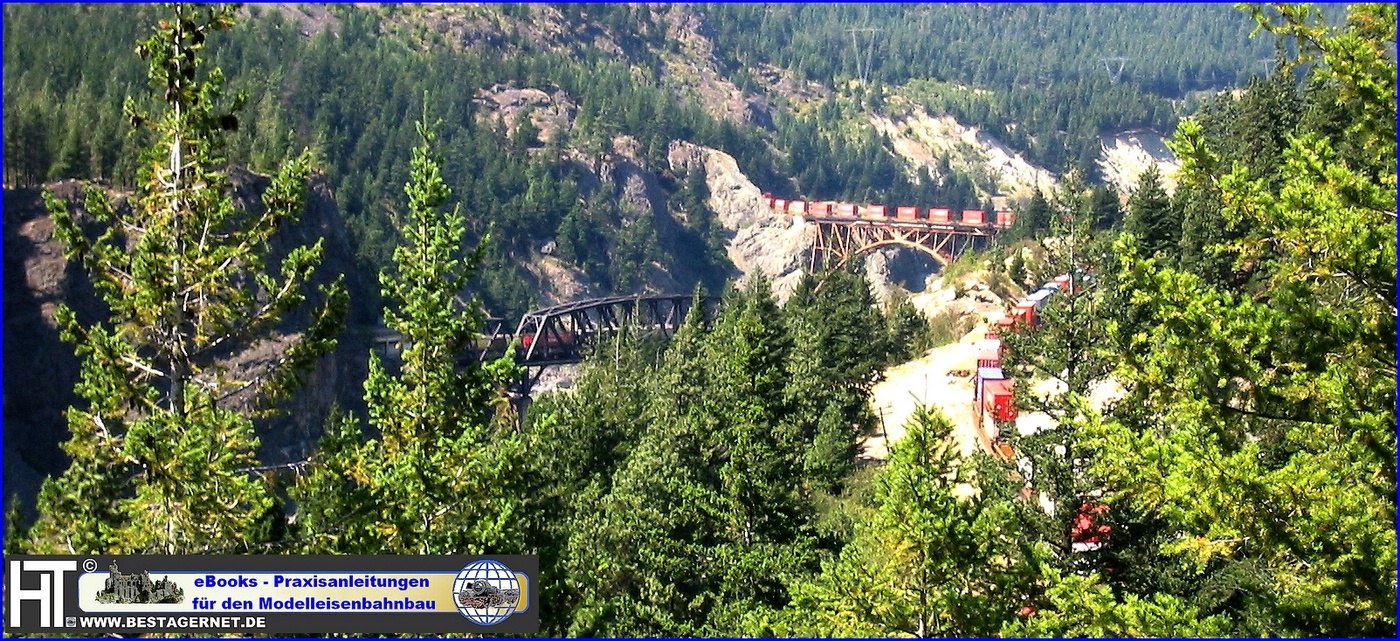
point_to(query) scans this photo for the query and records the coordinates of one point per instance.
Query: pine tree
(1105, 208)
(161, 463)
(932, 562)
(1151, 218)
(435, 480)
(1267, 430)
(1064, 350)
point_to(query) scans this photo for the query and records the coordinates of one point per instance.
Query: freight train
(976, 218)
(992, 392)
(994, 398)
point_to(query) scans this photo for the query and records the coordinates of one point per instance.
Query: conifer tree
(932, 561)
(160, 460)
(1266, 439)
(1150, 216)
(435, 482)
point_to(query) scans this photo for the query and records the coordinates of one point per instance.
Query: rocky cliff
(759, 240)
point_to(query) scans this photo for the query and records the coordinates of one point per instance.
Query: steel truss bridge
(840, 239)
(567, 333)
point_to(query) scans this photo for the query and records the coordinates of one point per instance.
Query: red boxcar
(768, 201)
(1005, 218)
(999, 400)
(906, 213)
(1024, 312)
(797, 207)
(974, 217)
(846, 209)
(779, 205)
(548, 340)
(1064, 282)
(821, 209)
(1087, 533)
(940, 215)
(875, 211)
(1004, 325)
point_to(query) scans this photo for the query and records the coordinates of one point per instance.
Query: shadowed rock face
(41, 369)
(759, 240)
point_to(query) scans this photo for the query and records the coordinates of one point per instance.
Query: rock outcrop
(921, 139)
(759, 240)
(1127, 155)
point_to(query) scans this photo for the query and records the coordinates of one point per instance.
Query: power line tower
(863, 70)
(1116, 73)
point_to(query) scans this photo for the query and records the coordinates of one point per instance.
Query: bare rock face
(695, 69)
(760, 240)
(922, 139)
(43, 369)
(550, 112)
(1127, 155)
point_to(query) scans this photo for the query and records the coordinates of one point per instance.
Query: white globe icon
(486, 592)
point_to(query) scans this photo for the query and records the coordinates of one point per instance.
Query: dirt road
(941, 379)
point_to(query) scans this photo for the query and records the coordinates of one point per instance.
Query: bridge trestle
(837, 242)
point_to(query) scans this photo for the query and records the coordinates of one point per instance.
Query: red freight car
(797, 207)
(906, 213)
(1024, 312)
(974, 217)
(821, 209)
(779, 205)
(549, 340)
(875, 211)
(999, 400)
(1005, 218)
(1004, 325)
(846, 209)
(939, 215)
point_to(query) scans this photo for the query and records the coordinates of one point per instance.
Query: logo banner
(94, 594)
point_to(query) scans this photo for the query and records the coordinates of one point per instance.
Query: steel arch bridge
(566, 333)
(839, 240)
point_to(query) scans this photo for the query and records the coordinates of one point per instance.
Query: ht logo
(49, 593)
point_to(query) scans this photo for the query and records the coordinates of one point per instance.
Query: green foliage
(684, 486)
(1151, 217)
(433, 483)
(948, 327)
(1084, 607)
(911, 333)
(1264, 431)
(1032, 221)
(930, 563)
(161, 460)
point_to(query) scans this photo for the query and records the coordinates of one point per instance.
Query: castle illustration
(138, 588)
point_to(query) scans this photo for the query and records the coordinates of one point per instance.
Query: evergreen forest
(714, 484)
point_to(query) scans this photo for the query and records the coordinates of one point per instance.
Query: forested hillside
(346, 81)
(1240, 481)
(1045, 78)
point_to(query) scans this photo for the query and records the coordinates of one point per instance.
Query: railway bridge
(566, 333)
(846, 231)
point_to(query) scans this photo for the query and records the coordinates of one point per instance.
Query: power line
(863, 71)
(1116, 73)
